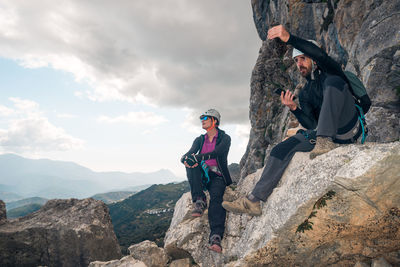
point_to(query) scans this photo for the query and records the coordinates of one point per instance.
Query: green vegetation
(146, 215)
(307, 224)
(23, 211)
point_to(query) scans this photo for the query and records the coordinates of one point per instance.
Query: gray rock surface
(3, 212)
(181, 263)
(362, 35)
(62, 233)
(149, 253)
(127, 261)
(361, 221)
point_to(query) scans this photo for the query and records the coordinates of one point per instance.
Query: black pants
(216, 188)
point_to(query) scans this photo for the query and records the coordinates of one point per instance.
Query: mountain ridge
(62, 179)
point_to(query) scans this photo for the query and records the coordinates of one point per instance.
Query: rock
(361, 264)
(361, 35)
(181, 263)
(127, 261)
(149, 253)
(234, 171)
(3, 212)
(349, 196)
(268, 117)
(381, 262)
(62, 233)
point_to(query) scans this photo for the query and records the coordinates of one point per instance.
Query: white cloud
(5, 111)
(29, 131)
(193, 54)
(36, 134)
(242, 131)
(24, 105)
(66, 116)
(140, 118)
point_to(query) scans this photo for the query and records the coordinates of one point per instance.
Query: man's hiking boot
(199, 207)
(215, 243)
(243, 205)
(323, 145)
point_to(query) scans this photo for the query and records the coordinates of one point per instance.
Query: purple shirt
(209, 147)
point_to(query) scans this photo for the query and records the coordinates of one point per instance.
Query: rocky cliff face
(362, 35)
(336, 210)
(62, 233)
(3, 213)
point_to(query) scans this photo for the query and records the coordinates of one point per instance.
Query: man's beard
(304, 71)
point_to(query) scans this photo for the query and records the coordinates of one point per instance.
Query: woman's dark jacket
(220, 153)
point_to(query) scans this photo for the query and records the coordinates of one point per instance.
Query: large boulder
(127, 261)
(339, 209)
(62, 233)
(361, 35)
(149, 253)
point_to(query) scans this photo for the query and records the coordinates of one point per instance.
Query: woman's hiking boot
(243, 205)
(215, 243)
(199, 206)
(322, 145)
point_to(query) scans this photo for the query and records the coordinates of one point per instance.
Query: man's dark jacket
(311, 96)
(220, 153)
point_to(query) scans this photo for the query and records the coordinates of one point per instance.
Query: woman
(207, 169)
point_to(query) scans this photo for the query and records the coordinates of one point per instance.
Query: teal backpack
(363, 102)
(359, 92)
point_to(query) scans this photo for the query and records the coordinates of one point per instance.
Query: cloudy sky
(118, 85)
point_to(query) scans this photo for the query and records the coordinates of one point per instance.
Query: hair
(216, 121)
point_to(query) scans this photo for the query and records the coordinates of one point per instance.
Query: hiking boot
(199, 207)
(243, 205)
(215, 243)
(323, 145)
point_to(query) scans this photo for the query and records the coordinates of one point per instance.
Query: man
(327, 110)
(208, 170)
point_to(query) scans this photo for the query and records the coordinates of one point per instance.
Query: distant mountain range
(111, 197)
(22, 178)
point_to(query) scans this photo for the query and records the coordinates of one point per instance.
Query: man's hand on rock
(278, 32)
(287, 100)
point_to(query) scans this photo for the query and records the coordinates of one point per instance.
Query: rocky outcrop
(362, 35)
(3, 212)
(149, 253)
(127, 261)
(62, 233)
(336, 210)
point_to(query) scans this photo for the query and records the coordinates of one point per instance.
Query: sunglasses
(204, 118)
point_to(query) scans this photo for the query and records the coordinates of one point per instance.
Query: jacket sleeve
(324, 62)
(304, 114)
(220, 149)
(195, 147)
(307, 122)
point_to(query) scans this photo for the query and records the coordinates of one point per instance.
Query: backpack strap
(363, 123)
